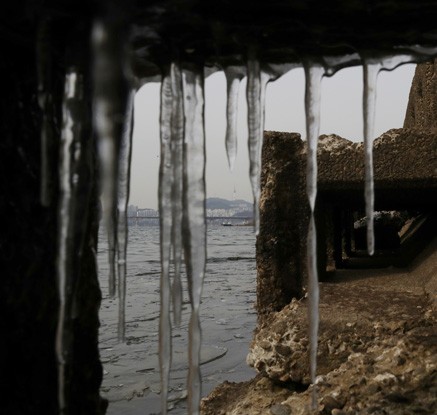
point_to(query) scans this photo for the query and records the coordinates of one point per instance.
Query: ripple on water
(227, 313)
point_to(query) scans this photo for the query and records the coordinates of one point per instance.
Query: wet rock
(282, 349)
(285, 359)
(329, 403)
(265, 345)
(279, 409)
(370, 364)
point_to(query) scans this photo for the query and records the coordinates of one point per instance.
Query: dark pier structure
(41, 42)
(405, 181)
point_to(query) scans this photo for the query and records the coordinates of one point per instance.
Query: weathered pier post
(284, 215)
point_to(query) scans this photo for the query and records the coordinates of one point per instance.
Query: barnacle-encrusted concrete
(403, 158)
(422, 106)
(405, 177)
(377, 349)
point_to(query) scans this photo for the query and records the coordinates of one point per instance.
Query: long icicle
(233, 78)
(313, 77)
(112, 253)
(69, 156)
(122, 202)
(255, 94)
(265, 79)
(177, 140)
(110, 97)
(165, 221)
(194, 223)
(370, 77)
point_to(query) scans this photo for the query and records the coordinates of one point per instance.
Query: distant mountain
(218, 203)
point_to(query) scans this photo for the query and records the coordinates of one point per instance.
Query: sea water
(228, 318)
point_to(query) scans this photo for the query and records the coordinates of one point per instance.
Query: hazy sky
(341, 113)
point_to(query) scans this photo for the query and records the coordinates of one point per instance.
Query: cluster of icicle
(181, 185)
(182, 215)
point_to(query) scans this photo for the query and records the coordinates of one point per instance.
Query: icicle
(194, 235)
(123, 199)
(370, 75)
(313, 77)
(165, 214)
(233, 78)
(110, 95)
(45, 102)
(68, 180)
(177, 139)
(112, 255)
(265, 79)
(371, 69)
(255, 93)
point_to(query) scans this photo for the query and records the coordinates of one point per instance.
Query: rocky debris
(255, 397)
(377, 349)
(380, 361)
(279, 349)
(396, 375)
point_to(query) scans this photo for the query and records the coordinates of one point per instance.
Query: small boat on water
(227, 224)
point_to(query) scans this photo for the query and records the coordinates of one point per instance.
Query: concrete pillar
(284, 214)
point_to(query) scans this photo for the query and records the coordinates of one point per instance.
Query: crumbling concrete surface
(402, 158)
(422, 105)
(405, 178)
(282, 202)
(377, 349)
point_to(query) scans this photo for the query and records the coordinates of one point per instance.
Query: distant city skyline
(212, 204)
(340, 114)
